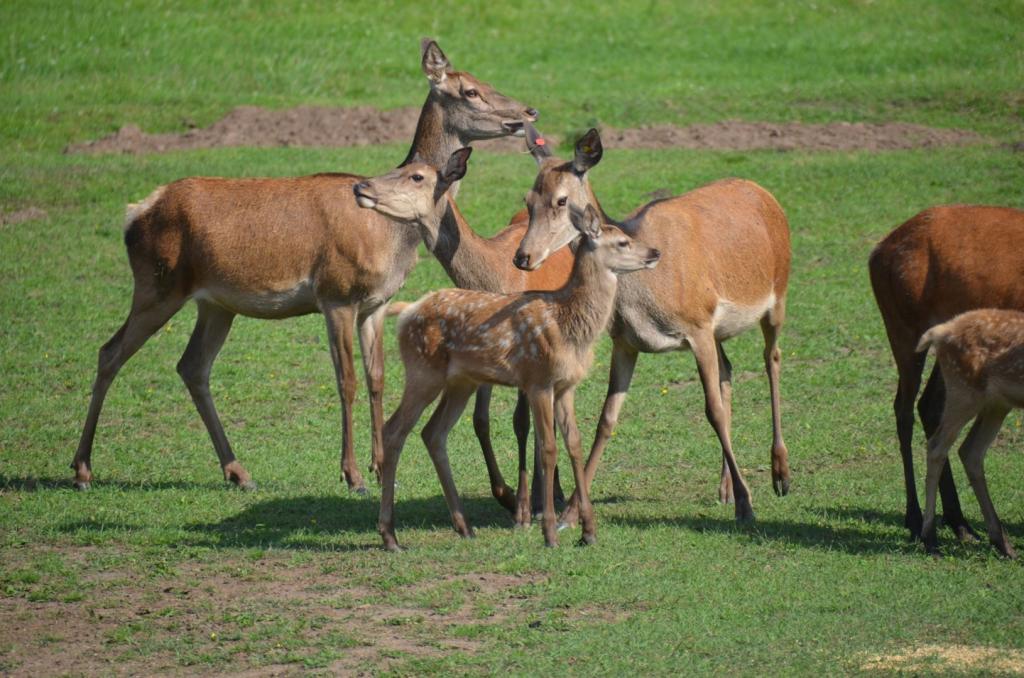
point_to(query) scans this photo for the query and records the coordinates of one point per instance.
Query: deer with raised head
(451, 341)
(981, 358)
(725, 270)
(941, 262)
(283, 247)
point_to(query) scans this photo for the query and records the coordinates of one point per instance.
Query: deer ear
(536, 144)
(435, 63)
(588, 152)
(455, 168)
(587, 221)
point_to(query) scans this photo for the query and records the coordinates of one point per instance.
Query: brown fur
(725, 269)
(943, 261)
(452, 341)
(276, 248)
(981, 355)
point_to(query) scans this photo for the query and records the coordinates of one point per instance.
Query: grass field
(163, 568)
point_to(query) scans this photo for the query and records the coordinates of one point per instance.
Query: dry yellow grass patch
(959, 658)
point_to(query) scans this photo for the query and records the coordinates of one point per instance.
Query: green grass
(169, 569)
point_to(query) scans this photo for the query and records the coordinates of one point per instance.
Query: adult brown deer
(941, 262)
(277, 248)
(981, 359)
(725, 270)
(452, 341)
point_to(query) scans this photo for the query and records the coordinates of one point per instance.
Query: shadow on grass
(828, 537)
(895, 518)
(309, 522)
(819, 536)
(35, 484)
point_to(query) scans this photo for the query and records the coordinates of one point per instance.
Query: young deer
(726, 270)
(277, 248)
(941, 262)
(485, 264)
(452, 341)
(981, 356)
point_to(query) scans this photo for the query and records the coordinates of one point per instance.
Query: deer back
(947, 260)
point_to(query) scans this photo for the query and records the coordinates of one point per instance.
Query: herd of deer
(533, 299)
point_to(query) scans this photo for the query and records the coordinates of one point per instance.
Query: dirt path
(362, 126)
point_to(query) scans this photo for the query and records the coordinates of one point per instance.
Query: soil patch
(791, 136)
(21, 216)
(263, 618)
(364, 126)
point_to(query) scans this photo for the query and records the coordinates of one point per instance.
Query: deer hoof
(587, 540)
(361, 491)
(781, 487)
(83, 485)
(745, 515)
(247, 485)
(964, 532)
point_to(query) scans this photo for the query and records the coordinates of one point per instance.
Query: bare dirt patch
(363, 126)
(948, 659)
(258, 618)
(791, 136)
(21, 216)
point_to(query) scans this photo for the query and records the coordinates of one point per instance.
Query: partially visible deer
(277, 248)
(725, 270)
(941, 262)
(981, 358)
(452, 341)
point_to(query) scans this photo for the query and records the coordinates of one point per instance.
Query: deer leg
(435, 436)
(371, 343)
(972, 453)
(770, 326)
(725, 493)
(909, 366)
(482, 428)
(340, 325)
(930, 407)
(955, 415)
(212, 326)
(145, 318)
(703, 346)
(542, 406)
(420, 390)
(521, 425)
(565, 415)
(619, 376)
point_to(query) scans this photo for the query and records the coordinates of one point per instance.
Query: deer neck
(435, 139)
(466, 257)
(586, 301)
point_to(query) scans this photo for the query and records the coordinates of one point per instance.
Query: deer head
(615, 251)
(414, 193)
(475, 109)
(560, 188)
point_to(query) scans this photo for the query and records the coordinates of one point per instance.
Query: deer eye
(417, 178)
(623, 244)
(471, 93)
(562, 201)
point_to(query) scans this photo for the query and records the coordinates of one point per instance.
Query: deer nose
(532, 113)
(522, 261)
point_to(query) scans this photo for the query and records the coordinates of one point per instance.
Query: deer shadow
(41, 483)
(847, 538)
(301, 522)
